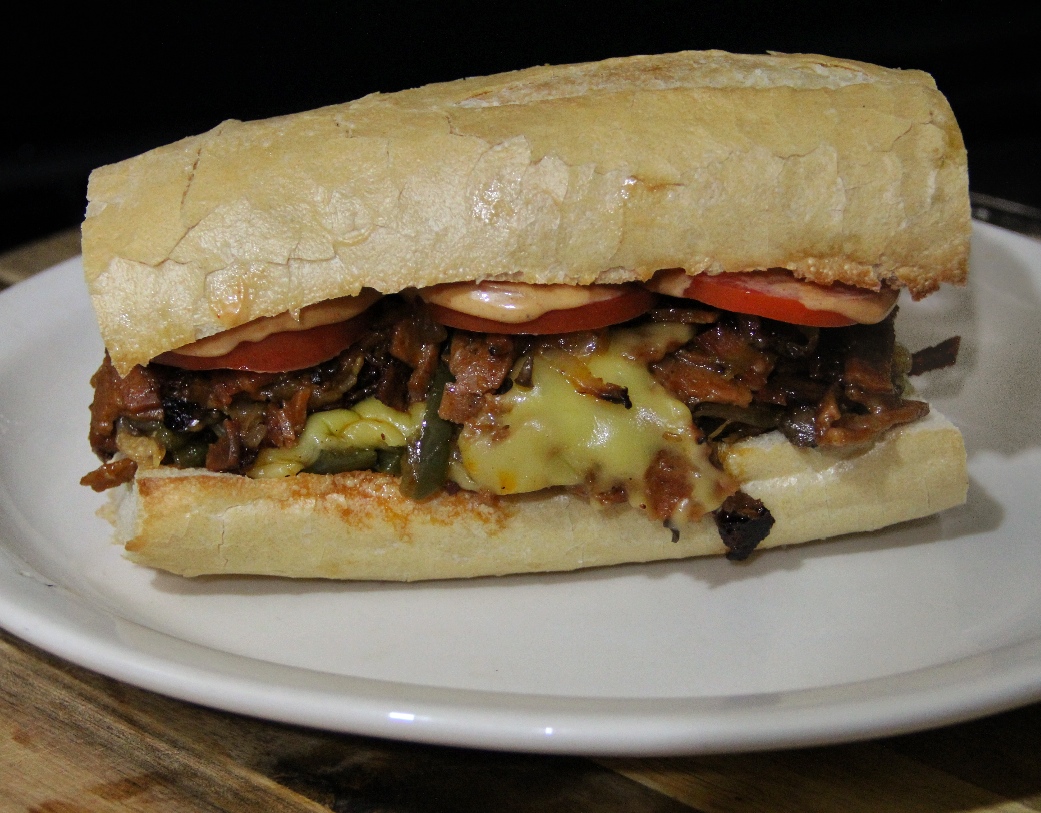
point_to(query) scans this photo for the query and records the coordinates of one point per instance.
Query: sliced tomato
(629, 303)
(279, 352)
(776, 294)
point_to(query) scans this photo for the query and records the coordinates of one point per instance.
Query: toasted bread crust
(358, 526)
(604, 172)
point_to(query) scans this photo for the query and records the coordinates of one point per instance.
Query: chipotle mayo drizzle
(316, 315)
(514, 302)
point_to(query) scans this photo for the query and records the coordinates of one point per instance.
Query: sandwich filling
(430, 389)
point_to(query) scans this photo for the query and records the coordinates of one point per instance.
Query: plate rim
(533, 723)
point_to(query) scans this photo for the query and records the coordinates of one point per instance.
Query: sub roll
(563, 317)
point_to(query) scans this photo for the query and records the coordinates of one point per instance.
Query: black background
(92, 86)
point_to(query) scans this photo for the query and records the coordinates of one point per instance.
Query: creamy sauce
(514, 302)
(321, 313)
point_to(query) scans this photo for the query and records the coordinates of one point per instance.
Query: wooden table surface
(74, 741)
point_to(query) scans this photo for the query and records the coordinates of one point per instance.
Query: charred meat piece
(941, 355)
(479, 363)
(669, 479)
(227, 453)
(689, 313)
(820, 387)
(135, 396)
(416, 340)
(111, 474)
(723, 364)
(743, 523)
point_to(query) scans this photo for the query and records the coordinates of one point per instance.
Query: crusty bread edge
(358, 526)
(558, 174)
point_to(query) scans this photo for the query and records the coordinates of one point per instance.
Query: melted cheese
(370, 424)
(547, 435)
(514, 302)
(551, 435)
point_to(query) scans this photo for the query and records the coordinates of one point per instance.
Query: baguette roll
(556, 451)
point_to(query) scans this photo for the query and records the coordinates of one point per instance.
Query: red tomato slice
(776, 294)
(279, 352)
(627, 304)
(722, 291)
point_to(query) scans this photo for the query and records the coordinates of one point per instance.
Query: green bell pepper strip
(424, 465)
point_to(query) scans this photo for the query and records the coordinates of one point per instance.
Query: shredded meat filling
(135, 396)
(480, 363)
(226, 453)
(669, 480)
(740, 375)
(234, 414)
(415, 340)
(720, 365)
(743, 375)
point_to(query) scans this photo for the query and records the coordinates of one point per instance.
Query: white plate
(935, 621)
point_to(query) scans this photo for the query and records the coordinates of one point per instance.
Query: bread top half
(596, 172)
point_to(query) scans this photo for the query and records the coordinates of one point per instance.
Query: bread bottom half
(357, 525)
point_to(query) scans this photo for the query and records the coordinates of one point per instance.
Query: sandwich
(562, 317)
